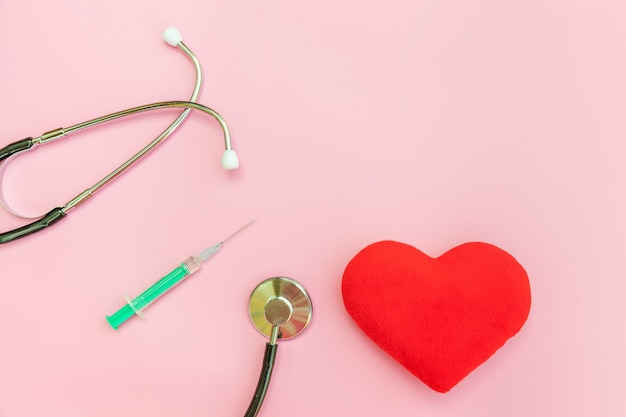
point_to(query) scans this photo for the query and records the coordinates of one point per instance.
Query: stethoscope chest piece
(280, 308)
(280, 302)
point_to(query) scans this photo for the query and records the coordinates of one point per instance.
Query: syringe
(176, 276)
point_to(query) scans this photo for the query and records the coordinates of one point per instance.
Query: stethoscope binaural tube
(172, 37)
(229, 158)
(280, 308)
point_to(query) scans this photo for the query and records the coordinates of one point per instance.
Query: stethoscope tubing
(59, 212)
(30, 143)
(264, 380)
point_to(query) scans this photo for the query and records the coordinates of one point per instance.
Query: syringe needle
(241, 229)
(212, 250)
(174, 277)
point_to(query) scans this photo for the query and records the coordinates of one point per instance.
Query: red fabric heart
(438, 317)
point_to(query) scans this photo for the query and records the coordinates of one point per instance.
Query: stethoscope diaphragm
(281, 302)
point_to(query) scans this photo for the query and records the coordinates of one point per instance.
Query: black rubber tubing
(50, 218)
(15, 147)
(264, 380)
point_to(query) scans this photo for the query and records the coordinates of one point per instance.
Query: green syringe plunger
(135, 306)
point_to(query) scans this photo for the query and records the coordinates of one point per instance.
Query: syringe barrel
(136, 305)
(160, 287)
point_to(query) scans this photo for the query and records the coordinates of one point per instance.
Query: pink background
(431, 123)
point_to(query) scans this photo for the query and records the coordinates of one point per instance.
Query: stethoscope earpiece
(172, 36)
(230, 160)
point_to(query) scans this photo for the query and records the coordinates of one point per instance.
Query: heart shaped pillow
(438, 317)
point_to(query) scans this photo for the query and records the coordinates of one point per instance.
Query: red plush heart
(439, 317)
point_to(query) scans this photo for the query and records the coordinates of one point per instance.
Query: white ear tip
(230, 160)
(172, 36)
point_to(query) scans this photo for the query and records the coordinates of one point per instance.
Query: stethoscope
(279, 308)
(229, 158)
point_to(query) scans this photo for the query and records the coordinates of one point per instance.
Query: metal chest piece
(280, 302)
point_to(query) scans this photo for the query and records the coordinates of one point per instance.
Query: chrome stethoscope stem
(161, 137)
(149, 147)
(188, 105)
(149, 107)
